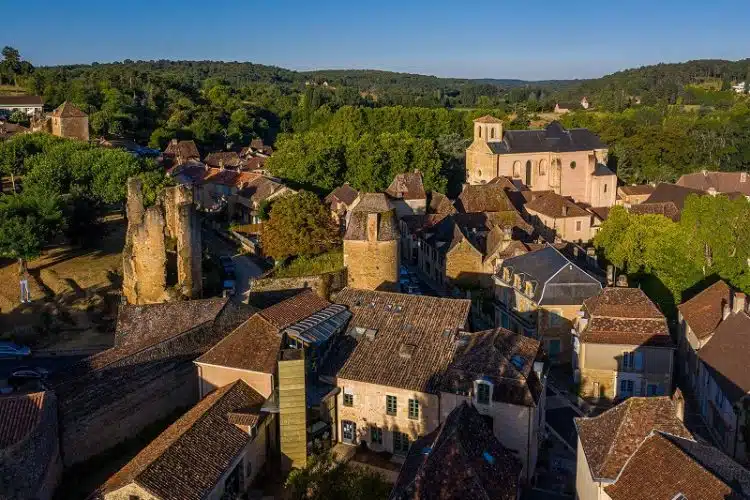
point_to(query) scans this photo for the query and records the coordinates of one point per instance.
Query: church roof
(554, 138)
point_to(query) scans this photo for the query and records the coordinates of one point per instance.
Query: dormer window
(483, 392)
(506, 275)
(529, 289)
(517, 281)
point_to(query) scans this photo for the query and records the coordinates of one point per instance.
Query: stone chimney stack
(726, 312)
(679, 404)
(740, 302)
(372, 227)
(622, 281)
(610, 275)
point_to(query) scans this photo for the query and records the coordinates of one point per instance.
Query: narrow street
(245, 267)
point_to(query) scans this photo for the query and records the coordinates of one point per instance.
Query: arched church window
(480, 132)
(517, 169)
(542, 167)
(492, 133)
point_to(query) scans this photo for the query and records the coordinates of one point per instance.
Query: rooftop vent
(398, 309)
(447, 332)
(406, 350)
(370, 333)
(426, 450)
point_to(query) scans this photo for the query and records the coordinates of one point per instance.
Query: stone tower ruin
(371, 244)
(162, 254)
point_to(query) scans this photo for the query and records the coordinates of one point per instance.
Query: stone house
(717, 182)
(460, 459)
(539, 294)
(27, 104)
(640, 450)
(714, 328)
(111, 396)
(388, 366)
(181, 152)
(246, 205)
(634, 195)
(667, 200)
(213, 188)
(503, 376)
(29, 446)
(223, 159)
(464, 250)
(622, 346)
(407, 194)
(213, 451)
(66, 121)
(251, 352)
(569, 162)
(372, 253)
(341, 200)
(555, 216)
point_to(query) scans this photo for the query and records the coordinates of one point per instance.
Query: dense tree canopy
(27, 224)
(299, 225)
(710, 240)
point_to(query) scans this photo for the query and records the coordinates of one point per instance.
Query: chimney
(622, 281)
(610, 275)
(739, 302)
(704, 172)
(173, 142)
(726, 312)
(372, 227)
(565, 210)
(679, 404)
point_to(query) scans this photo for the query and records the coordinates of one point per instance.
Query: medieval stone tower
(159, 238)
(371, 244)
(69, 121)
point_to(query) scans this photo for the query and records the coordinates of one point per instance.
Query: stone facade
(173, 218)
(71, 128)
(372, 253)
(580, 173)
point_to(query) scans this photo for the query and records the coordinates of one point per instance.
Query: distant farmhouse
(28, 104)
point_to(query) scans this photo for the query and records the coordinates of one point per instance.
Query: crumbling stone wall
(145, 253)
(323, 284)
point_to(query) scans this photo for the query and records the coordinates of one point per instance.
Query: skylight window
(518, 361)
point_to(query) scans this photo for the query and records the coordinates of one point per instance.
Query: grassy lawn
(307, 266)
(11, 90)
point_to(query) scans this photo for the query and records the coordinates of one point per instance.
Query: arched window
(492, 133)
(542, 167)
(517, 169)
(479, 173)
(528, 172)
(605, 188)
(480, 131)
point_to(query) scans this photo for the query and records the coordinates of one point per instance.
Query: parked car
(30, 372)
(12, 350)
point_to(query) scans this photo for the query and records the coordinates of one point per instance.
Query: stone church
(569, 162)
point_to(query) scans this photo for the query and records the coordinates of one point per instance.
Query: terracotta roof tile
(187, 460)
(703, 312)
(637, 190)
(625, 316)
(722, 182)
(344, 193)
(407, 186)
(488, 119)
(440, 204)
(665, 466)
(502, 357)
(483, 198)
(609, 439)
(556, 206)
(372, 203)
(227, 159)
(461, 459)
(185, 150)
(19, 415)
(294, 309)
(428, 326)
(726, 354)
(68, 110)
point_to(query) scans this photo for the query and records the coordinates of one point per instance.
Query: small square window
(413, 409)
(400, 443)
(376, 435)
(391, 405)
(348, 399)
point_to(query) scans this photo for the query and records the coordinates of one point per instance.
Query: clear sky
(528, 39)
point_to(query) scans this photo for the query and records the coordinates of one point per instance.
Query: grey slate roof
(556, 280)
(554, 138)
(372, 203)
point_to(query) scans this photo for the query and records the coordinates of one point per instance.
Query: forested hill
(660, 83)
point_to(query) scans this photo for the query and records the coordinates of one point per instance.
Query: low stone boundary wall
(323, 284)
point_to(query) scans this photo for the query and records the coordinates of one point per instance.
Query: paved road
(53, 364)
(245, 268)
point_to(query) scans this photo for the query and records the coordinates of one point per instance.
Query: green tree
(299, 225)
(326, 479)
(27, 225)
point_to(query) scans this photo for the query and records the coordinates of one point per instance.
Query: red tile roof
(408, 186)
(722, 182)
(663, 467)
(609, 440)
(187, 460)
(294, 309)
(19, 415)
(703, 312)
(625, 316)
(556, 206)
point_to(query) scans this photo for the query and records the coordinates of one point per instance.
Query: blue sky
(539, 39)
